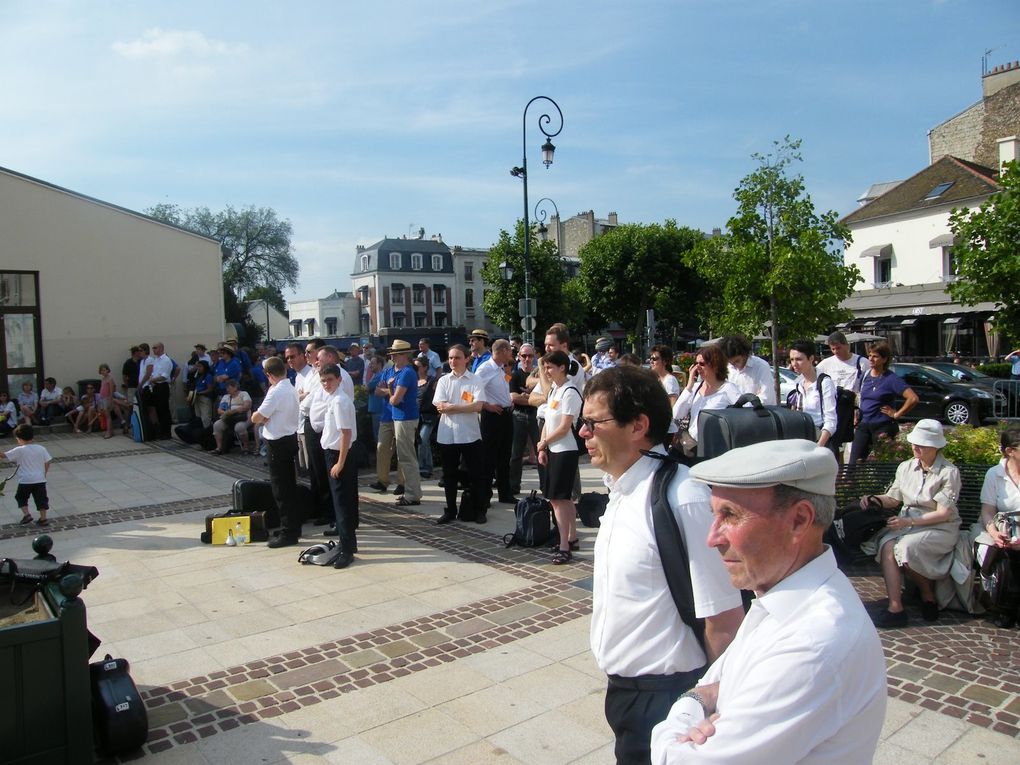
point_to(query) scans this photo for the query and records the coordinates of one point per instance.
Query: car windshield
(958, 371)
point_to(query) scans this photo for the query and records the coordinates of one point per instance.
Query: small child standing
(33, 463)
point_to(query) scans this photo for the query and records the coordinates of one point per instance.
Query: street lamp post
(542, 215)
(528, 307)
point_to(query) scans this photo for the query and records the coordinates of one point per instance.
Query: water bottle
(231, 542)
(239, 535)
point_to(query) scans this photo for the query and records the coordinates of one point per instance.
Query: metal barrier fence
(1007, 399)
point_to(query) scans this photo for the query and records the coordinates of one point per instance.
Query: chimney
(612, 219)
(1000, 77)
(1009, 150)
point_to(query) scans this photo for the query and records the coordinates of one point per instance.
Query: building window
(883, 272)
(437, 262)
(439, 295)
(310, 324)
(395, 263)
(949, 266)
(398, 320)
(418, 294)
(416, 260)
(421, 320)
(366, 324)
(398, 294)
(469, 298)
(20, 332)
(440, 319)
(469, 272)
(366, 262)
(331, 326)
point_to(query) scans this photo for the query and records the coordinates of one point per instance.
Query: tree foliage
(255, 243)
(987, 252)
(271, 294)
(547, 278)
(635, 267)
(779, 263)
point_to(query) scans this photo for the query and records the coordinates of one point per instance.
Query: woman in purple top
(879, 391)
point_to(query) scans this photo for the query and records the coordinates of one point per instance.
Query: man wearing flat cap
(804, 679)
(605, 355)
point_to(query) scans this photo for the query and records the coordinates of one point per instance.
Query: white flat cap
(793, 462)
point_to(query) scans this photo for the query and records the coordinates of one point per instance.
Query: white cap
(792, 462)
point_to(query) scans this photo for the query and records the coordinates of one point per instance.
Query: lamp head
(547, 153)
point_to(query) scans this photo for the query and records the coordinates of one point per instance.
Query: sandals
(561, 557)
(405, 502)
(216, 451)
(575, 545)
(25, 519)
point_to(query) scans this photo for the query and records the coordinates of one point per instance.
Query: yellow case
(220, 526)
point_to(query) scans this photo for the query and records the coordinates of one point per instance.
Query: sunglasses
(655, 358)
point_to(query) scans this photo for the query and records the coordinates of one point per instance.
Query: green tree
(635, 267)
(779, 264)
(255, 243)
(271, 294)
(987, 252)
(501, 299)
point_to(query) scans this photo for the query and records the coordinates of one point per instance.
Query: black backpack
(846, 405)
(535, 526)
(575, 427)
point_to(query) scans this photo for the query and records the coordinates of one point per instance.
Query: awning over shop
(943, 240)
(908, 322)
(878, 251)
(396, 286)
(952, 320)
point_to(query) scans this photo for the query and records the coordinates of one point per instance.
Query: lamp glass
(547, 153)
(506, 271)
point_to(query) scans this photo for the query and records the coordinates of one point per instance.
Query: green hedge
(1001, 371)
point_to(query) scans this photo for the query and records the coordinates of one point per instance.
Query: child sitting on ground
(33, 463)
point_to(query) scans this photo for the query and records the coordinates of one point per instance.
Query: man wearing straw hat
(403, 400)
(804, 679)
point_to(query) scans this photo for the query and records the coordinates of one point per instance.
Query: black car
(943, 397)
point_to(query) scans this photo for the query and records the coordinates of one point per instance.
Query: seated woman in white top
(815, 393)
(1000, 493)
(707, 388)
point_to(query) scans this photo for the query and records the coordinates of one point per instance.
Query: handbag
(683, 441)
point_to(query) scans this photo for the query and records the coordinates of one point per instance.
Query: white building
(82, 280)
(335, 315)
(264, 315)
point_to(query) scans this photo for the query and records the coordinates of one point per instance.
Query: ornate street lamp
(506, 271)
(542, 214)
(528, 307)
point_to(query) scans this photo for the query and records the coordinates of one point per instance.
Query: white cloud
(170, 43)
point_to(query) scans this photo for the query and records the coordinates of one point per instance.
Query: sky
(357, 121)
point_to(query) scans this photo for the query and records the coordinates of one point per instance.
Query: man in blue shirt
(478, 339)
(404, 405)
(355, 364)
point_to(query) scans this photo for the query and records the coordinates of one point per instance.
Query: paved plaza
(438, 645)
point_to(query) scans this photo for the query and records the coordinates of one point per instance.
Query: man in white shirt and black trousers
(804, 679)
(278, 415)
(638, 637)
(339, 433)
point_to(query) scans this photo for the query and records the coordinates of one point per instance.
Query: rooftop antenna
(984, 59)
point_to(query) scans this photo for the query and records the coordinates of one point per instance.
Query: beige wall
(107, 278)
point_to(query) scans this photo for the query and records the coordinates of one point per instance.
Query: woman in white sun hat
(919, 540)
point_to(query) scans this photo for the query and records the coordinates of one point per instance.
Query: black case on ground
(119, 719)
(257, 525)
(250, 495)
(720, 430)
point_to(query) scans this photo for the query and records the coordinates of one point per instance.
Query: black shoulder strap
(818, 387)
(669, 539)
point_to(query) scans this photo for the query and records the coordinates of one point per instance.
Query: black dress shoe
(1005, 621)
(331, 532)
(508, 500)
(929, 610)
(887, 619)
(399, 490)
(283, 540)
(377, 486)
(344, 559)
(443, 519)
(480, 518)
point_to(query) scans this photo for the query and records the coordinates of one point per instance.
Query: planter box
(854, 481)
(45, 701)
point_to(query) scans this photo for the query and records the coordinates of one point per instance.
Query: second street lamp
(544, 122)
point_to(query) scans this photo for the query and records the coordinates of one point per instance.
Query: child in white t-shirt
(33, 463)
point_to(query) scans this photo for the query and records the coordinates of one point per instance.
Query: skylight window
(938, 191)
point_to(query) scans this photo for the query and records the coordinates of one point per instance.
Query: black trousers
(635, 705)
(318, 474)
(283, 479)
(497, 442)
(472, 455)
(867, 434)
(161, 400)
(344, 492)
(525, 428)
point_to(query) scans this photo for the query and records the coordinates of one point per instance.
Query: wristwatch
(693, 694)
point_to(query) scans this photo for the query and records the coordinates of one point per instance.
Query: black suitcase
(251, 495)
(119, 719)
(141, 429)
(720, 430)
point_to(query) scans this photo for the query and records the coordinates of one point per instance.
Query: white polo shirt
(635, 626)
(845, 374)
(563, 402)
(462, 427)
(280, 406)
(756, 377)
(495, 382)
(318, 402)
(338, 417)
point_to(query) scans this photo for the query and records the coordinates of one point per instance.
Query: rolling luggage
(119, 718)
(720, 430)
(250, 495)
(141, 429)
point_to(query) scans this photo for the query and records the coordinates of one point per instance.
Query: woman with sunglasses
(707, 388)
(881, 388)
(557, 450)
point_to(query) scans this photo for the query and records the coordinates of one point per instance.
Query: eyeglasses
(655, 358)
(526, 355)
(589, 423)
(700, 364)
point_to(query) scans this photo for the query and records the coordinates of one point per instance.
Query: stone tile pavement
(438, 645)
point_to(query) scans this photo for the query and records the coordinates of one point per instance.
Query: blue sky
(359, 120)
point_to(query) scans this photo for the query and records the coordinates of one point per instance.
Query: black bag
(720, 430)
(853, 526)
(534, 527)
(119, 719)
(250, 495)
(846, 406)
(191, 431)
(591, 507)
(575, 426)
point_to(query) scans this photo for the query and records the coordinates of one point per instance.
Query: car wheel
(957, 413)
